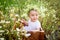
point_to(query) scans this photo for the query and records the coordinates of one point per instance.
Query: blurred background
(15, 10)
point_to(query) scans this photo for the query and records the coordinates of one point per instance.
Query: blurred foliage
(49, 12)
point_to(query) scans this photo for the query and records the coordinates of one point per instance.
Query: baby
(33, 24)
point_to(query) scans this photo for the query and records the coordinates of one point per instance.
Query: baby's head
(33, 15)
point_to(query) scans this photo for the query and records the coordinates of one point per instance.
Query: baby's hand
(24, 22)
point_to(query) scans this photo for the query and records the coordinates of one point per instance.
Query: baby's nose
(34, 16)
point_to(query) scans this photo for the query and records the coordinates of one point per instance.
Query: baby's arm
(24, 22)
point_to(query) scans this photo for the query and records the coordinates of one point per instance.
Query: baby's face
(33, 15)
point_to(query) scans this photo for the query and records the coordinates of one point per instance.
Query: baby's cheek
(37, 17)
(32, 17)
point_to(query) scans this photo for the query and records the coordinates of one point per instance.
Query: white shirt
(32, 25)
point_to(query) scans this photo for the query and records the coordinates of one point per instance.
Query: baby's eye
(32, 15)
(36, 14)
